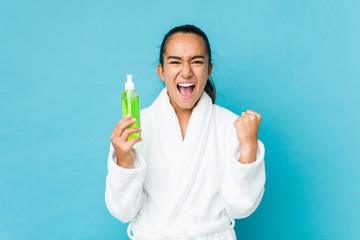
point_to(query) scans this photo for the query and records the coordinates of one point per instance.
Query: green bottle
(131, 104)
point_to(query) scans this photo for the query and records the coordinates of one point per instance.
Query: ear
(210, 70)
(160, 71)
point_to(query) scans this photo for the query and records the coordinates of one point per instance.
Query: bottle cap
(129, 85)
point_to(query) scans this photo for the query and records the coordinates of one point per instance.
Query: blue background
(62, 68)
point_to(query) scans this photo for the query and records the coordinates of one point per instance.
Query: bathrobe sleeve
(243, 185)
(124, 192)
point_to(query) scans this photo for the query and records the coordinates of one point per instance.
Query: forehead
(185, 44)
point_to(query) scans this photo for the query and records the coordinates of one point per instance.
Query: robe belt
(170, 232)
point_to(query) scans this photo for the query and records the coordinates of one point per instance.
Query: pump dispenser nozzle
(129, 85)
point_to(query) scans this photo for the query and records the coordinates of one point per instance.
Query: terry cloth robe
(185, 189)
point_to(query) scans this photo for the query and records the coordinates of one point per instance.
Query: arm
(124, 194)
(243, 185)
(244, 178)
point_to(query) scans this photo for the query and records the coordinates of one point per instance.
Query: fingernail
(134, 119)
(128, 116)
(140, 129)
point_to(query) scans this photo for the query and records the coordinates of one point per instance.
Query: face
(185, 70)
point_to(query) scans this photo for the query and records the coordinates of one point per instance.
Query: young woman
(198, 166)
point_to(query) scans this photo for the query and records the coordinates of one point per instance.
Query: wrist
(125, 165)
(249, 147)
(248, 153)
(125, 161)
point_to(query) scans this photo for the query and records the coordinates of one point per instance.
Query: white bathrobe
(185, 189)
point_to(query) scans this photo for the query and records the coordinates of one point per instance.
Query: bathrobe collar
(181, 159)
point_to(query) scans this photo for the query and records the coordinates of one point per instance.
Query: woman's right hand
(119, 139)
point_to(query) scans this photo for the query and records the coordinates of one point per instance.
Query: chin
(187, 104)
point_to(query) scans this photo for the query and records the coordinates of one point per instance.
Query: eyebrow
(179, 58)
(174, 57)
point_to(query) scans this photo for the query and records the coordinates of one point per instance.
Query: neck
(183, 116)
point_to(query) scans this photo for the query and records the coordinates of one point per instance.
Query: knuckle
(116, 143)
(133, 130)
(115, 140)
(120, 122)
(120, 129)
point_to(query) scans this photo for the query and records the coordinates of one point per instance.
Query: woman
(186, 178)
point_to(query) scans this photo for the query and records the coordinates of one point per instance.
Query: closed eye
(198, 62)
(174, 62)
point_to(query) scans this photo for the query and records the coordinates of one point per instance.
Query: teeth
(186, 84)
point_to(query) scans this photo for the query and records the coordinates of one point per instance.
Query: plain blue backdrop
(63, 66)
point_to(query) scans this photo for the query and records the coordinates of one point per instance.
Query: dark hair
(191, 29)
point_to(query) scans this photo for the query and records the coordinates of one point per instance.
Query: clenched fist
(247, 128)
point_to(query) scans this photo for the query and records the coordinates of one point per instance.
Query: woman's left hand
(247, 128)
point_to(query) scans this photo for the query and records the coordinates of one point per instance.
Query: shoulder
(148, 116)
(146, 111)
(224, 124)
(145, 115)
(151, 109)
(224, 115)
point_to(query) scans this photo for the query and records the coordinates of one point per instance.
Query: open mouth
(186, 90)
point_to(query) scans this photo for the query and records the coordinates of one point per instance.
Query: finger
(245, 117)
(239, 120)
(134, 140)
(124, 137)
(250, 111)
(244, 114)
(253, 112)
(122, 126)
(117, 126)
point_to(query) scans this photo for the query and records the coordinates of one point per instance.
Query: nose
(186, 71)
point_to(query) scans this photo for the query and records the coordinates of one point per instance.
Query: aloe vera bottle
(131, 104)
